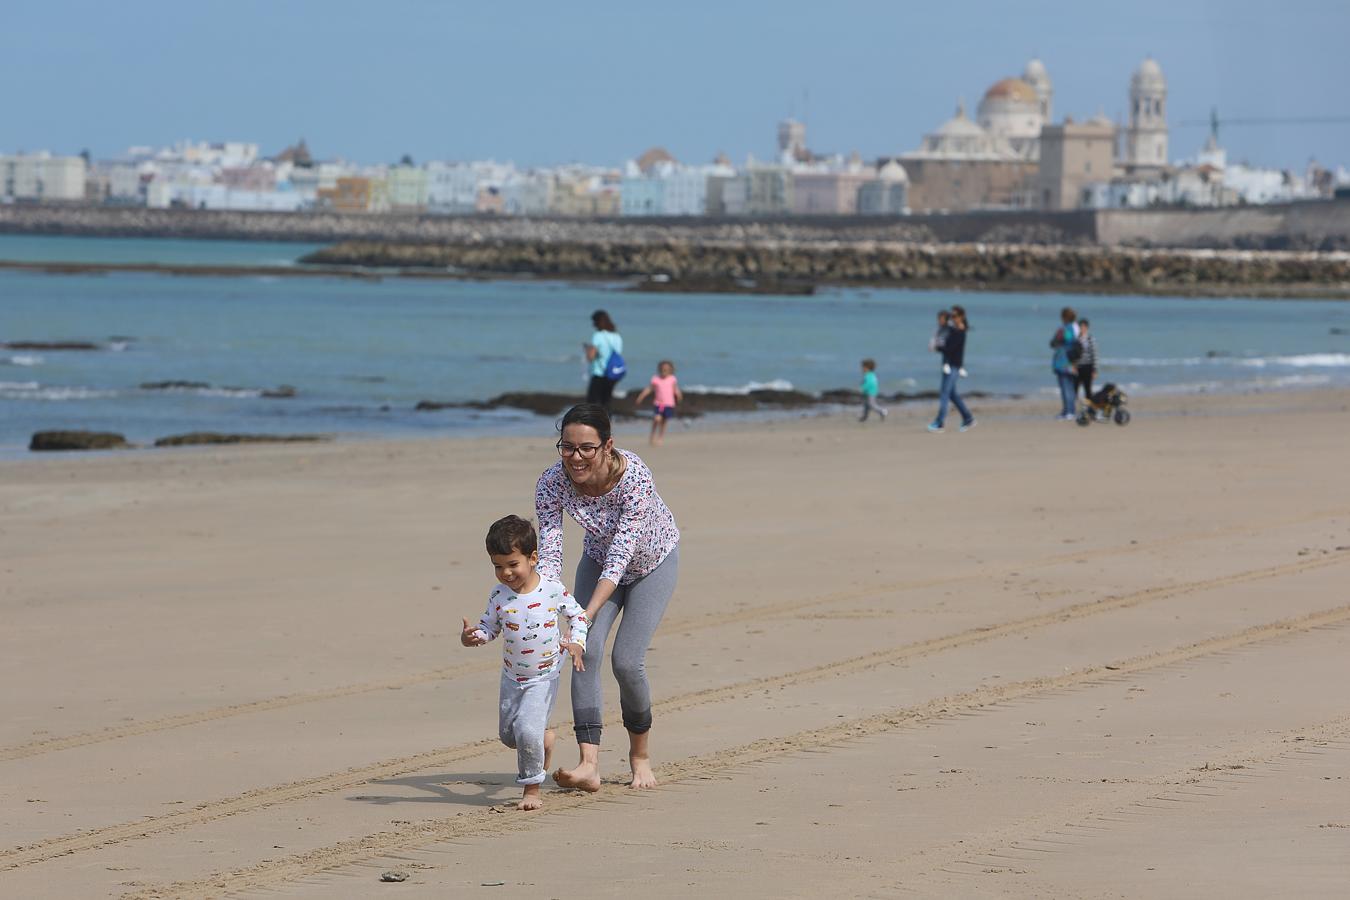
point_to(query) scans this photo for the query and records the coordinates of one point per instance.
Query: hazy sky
(601, 80)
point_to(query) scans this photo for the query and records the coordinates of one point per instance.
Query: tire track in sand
(483, 823)
(262, 798)
(710, 620)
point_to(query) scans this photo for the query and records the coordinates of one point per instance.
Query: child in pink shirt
(664, 390)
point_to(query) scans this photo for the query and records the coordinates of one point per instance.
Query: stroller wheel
(1084, 419)
(1122, 417)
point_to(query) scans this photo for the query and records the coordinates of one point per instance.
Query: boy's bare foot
(642, 773)
(531, 800)
(585, 777)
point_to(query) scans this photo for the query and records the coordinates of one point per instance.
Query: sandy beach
(1032, 660)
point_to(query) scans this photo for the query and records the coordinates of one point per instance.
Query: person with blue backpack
(1068, 351)
(604, 353)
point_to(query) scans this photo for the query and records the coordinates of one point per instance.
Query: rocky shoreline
(938, 266)
(696, 403)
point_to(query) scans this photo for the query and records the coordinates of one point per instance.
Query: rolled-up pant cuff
(533, 779)
(638, 724)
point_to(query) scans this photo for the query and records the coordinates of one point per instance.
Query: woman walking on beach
(1067, 351)
(605, 342)
(953, 350)
(628, 568)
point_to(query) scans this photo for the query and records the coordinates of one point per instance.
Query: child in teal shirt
(869, 390)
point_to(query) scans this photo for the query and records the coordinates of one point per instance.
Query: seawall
(1312, 225)
(970, 266)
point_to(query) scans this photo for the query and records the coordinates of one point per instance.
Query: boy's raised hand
(577, 652)
(472, 636)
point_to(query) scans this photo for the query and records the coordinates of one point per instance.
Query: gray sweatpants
(525, 709)
(642, 604)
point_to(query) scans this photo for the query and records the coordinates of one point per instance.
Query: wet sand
(1033, 660)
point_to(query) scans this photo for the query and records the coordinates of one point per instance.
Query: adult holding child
(1065, 362)
(604, 353)
(627, 573)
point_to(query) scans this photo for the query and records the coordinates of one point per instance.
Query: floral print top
(629, 531)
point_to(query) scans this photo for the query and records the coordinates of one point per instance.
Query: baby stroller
(1105, 405)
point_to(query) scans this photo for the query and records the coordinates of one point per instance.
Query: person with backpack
(605, 355)
(1068, 351)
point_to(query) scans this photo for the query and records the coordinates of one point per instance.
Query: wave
(23, 359)
(1303, 360)
(32, 390)
(1228, 387)
(778, 384)
(207, 391)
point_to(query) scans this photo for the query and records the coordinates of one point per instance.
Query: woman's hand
(472, 635)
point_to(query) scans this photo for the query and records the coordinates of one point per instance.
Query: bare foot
(531, 800)
(585, 777)
(642, 773)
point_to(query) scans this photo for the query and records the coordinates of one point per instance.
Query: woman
(953, 350)
(1066, 337)
(604, 342)
(629, 565)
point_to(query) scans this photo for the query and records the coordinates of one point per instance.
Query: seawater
(361, 354)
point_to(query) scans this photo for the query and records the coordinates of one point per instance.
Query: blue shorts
(663, 412)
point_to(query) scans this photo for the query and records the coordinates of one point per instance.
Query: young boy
(869, 390)
(526, 608)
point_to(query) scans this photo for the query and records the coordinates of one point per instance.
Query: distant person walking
(870, 390)
(953, 352)
(664, 389)
(1064, 363)
(1087, 363)
(605, 343)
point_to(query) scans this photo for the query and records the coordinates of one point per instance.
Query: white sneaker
(966, 426)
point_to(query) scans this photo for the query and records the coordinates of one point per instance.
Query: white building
(1146, 136)
(667, 188)
(455, 188)
(41, 178)
(887, 194)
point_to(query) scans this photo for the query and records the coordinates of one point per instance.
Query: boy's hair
(943, 315)
(509, 534)
(1067, 315)
(869, 364)
(1085, 322)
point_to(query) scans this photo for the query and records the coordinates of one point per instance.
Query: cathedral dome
(1014, 89)
(960, 126)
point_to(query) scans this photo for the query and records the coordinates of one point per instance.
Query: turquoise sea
(361, 354)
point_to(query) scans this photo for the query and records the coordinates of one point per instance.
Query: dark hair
(944, 314)
(509, 534)
(1085, 322)
(1067, 315)
(960, 312)
(601, 320)
(592, 414)
(869, 364)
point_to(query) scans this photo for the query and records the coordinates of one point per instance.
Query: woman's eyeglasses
(585, 451)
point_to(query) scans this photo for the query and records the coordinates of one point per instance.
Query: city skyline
(546, 87)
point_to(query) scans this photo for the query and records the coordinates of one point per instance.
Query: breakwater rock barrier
(969, 266)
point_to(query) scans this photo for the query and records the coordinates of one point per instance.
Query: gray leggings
(642, 603)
